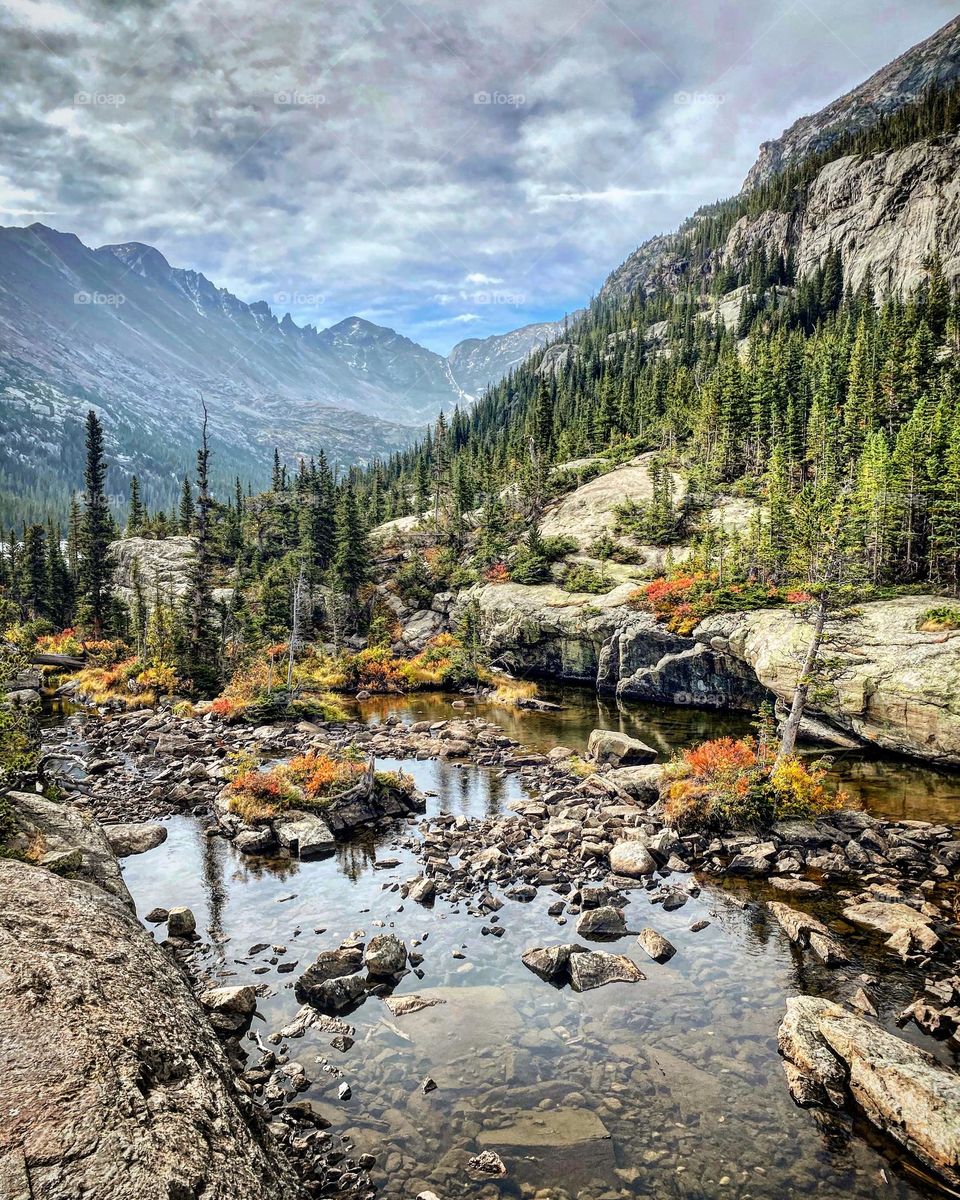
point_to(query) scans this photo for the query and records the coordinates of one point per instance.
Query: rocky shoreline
(589, 842)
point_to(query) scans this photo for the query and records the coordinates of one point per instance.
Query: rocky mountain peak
(933, 62)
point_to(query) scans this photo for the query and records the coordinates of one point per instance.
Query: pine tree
(137, 515)
(94, 535)
(198, 642)
(34, 567)
(186, 514)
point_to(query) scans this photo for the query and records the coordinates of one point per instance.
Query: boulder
(906, 928)
(603, 922)
(656, 945)
(114, 1084)
(181, 923)
(643, 783)
(591, 969)
(839, 1057)
(549, 962)
(134, 839)
(308, 836)
(385, 955)
(238, 1001)
(609, 746)
(632, 859)
(333, 982)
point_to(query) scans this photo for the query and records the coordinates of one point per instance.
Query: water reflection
(884, 785)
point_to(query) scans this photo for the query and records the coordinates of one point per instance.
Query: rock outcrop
(163, 566)
(834, 1058)
(113, 1083)
(936, 60)
(893, 687)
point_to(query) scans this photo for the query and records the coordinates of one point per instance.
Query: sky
(445, 168)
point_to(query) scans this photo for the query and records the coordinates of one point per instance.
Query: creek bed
(669, 1087)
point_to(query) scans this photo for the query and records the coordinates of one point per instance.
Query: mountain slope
(478, 362)
(933, 62)
(118, 328)
(873, 175)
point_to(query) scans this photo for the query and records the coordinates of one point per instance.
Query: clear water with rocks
(670, 1087)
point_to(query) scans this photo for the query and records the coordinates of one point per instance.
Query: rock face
(590, 511)
(835, 1056)
(132, 1094)
(935, 60)
(164, 564)
(899, 688)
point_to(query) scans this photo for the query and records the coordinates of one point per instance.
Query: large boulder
(895, 686)
(835, 1057)
(113, 1083)
(129, 839)
(632, 859)
(385, 955)
(163, 565)
(607, 746)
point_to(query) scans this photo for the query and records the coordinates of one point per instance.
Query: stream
(671, 1087)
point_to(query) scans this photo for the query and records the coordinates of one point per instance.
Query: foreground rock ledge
(834, 1056)
(112, 1084)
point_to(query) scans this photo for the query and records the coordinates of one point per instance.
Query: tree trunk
(791, 727)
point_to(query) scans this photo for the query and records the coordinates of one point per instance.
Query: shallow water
(669, 1087)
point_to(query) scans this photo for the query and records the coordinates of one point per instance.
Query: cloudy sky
(450, 169)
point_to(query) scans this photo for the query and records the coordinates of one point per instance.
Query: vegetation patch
(741, 783)
(939, 619)
(682, 601)
(310, 782)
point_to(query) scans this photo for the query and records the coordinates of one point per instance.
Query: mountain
(478, 362)
(876, 175)
(931, 63)
(119, 329)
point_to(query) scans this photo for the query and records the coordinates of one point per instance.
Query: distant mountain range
(119, 329)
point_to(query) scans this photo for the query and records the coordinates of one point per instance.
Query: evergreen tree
(94, 535)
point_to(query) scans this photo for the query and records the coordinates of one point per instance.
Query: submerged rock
(591, 969)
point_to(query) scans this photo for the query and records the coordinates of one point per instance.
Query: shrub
(310, 781)
(497, 573)
(581, 577)
(683, 600)
(939, 619)
(509, 691)
(730, 783)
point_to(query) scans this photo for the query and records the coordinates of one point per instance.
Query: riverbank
(516, 850)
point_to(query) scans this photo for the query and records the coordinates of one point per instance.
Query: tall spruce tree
(96, 529)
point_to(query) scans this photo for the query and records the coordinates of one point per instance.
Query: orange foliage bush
(497, 573)
(730, 783)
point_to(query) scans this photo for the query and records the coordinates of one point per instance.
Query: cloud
(400, 160)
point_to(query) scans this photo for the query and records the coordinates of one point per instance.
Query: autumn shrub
(732, 783)
(939, 619)
(683, 600)
(497, 573)
(308, 781)
(509, 691)
(129, 683)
